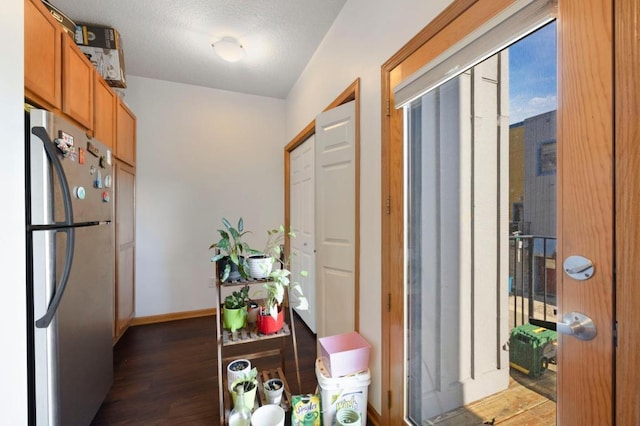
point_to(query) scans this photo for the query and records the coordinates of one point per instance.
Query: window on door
(480, 228)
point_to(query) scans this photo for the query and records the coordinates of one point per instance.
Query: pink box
(344, 354)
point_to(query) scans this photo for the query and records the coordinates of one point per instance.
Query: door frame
(627, 164)
(351, 93)
(585, 89)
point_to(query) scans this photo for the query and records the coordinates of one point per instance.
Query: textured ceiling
(171, 40)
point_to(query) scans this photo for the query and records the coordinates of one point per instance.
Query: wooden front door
(585, 197)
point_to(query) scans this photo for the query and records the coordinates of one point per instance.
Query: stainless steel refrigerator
(70, 258)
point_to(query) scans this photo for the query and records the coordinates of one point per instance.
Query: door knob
(578, 325)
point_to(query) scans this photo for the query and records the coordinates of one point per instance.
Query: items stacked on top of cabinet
(102, 46)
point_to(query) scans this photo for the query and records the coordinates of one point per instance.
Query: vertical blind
(516, 21)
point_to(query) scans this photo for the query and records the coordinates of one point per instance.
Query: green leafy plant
(237, 299)
(275, 241)
(247, 380)
(280, 278)
(233, 248)
(278, 282)
(261, 262)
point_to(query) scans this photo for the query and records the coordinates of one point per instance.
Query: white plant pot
(274, 396)
(260, 267)
(233, 375)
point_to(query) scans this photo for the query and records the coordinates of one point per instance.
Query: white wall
(13, 368)
(364, 36)
(201, 154)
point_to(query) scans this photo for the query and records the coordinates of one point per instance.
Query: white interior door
(335, 219)
(302, 205)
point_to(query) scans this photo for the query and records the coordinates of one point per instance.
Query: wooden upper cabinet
(125, 134)
(104, 114)
(77, 84)
(42, 56)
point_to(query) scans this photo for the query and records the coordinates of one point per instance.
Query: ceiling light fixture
(229, 49)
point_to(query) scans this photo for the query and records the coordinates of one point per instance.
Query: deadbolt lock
(578, 267)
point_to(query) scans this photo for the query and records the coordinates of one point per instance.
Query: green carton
(305, 410)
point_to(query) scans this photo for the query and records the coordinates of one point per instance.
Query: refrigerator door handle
(46, 319)
(42, 134)
(57, 297)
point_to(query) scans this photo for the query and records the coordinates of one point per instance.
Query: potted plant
(271, 316)
(249, 384)
(234, 310)
(232, 251)
(252, 311)
(260, 266)
(261, 262)
(237, 369)
(273, 389)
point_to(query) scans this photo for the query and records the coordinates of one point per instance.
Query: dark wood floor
(166, 374)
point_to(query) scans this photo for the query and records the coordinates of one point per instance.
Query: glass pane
(481, 226)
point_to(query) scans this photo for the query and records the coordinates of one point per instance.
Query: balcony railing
(532, 278)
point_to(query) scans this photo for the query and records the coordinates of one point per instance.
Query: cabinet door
(125, 134)
(77, 84)
(42, 56)
(125, 247)
(104, 114)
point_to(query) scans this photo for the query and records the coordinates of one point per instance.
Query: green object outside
(532, 348)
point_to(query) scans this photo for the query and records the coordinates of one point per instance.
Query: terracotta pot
(252, 312)
(268, 325)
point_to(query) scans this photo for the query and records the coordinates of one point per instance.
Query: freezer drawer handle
(46, 319)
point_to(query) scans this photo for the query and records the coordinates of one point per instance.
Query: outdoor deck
(527, 402)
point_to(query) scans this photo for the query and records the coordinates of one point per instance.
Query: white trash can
(347, 392)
